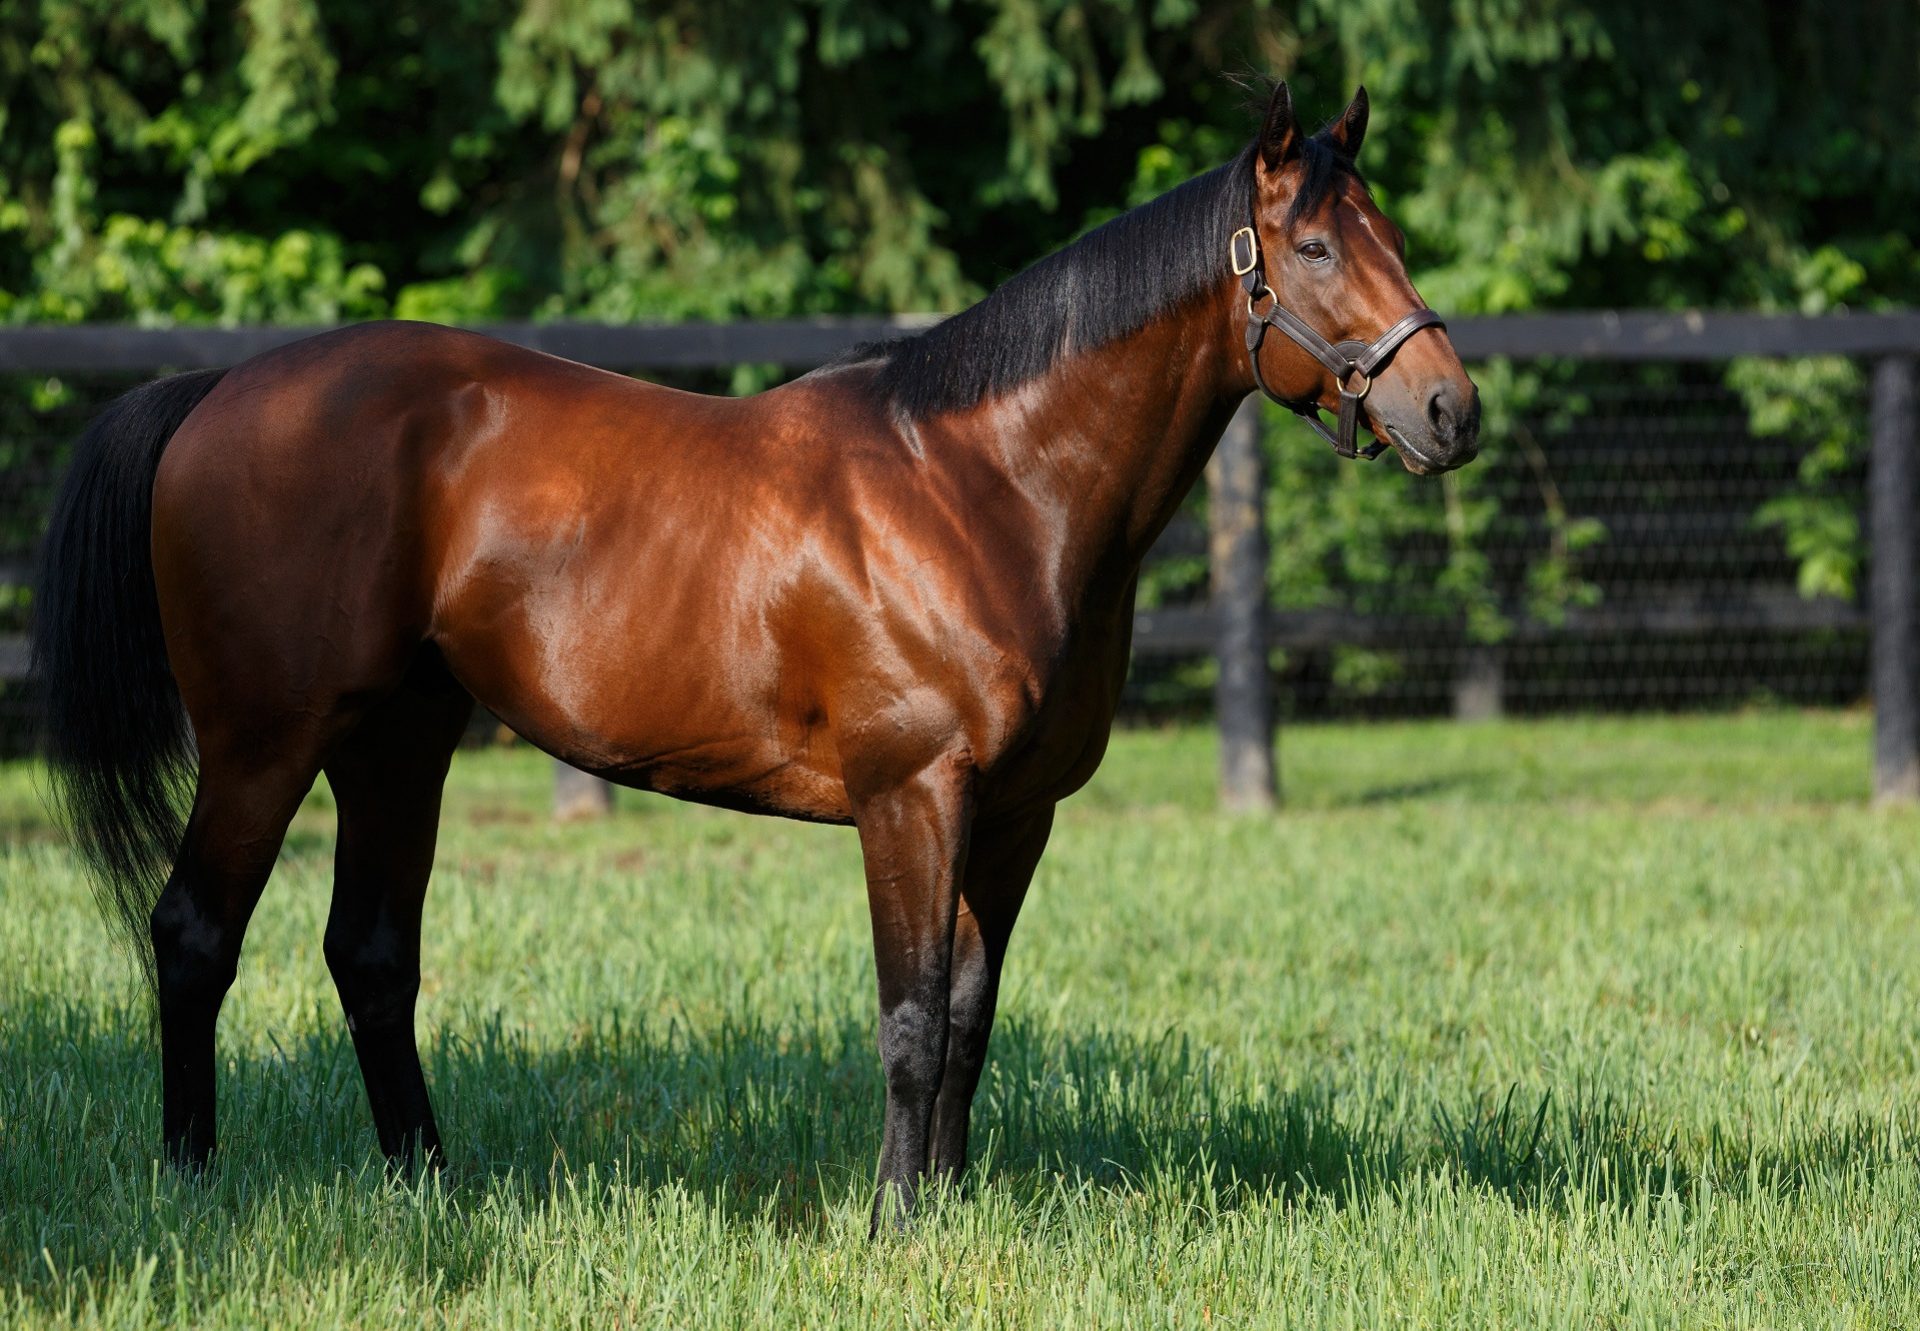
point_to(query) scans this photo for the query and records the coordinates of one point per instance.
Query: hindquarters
(291, 564)
(294, 538)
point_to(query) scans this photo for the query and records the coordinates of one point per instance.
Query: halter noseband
(1345, 359)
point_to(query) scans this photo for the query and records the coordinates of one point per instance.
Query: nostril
(1454, 416)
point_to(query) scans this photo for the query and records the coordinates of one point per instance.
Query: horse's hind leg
(241, 809)
(387, 776)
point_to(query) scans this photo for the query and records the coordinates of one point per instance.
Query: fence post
(1479, 688)
(578, 795)
(1237, 543)
(1896, 667)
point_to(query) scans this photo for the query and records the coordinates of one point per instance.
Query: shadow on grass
(786, 1124)
(1480, 782)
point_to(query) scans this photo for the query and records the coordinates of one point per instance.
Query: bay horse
(896, 592)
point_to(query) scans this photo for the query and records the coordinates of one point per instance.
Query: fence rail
(1236, 625)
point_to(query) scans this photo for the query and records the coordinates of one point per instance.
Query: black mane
(1111, 282)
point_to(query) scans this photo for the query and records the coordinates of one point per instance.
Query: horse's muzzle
(1451, 437)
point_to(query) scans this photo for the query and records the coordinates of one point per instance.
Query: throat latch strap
(1352, 364)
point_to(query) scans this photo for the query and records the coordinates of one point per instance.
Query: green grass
(1584, 1023)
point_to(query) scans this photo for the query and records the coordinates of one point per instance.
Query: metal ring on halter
(1253, 251)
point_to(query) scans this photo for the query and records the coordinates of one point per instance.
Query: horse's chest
(1071, 717)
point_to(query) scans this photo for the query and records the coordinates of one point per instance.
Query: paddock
(1543, 1022)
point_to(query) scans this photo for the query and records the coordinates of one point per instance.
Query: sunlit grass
(1565, 1023)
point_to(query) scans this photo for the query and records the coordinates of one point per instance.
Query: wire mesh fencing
(1626, 540)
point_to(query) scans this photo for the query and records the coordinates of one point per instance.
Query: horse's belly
(651, 718)
(753, 773)
(754, 778)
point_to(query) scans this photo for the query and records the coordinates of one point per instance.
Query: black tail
(118, 748)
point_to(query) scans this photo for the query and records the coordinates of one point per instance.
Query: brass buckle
(1233, 251)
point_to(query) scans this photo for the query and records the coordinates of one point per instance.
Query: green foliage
(1821, 401)
(287, 160)
(790, 155)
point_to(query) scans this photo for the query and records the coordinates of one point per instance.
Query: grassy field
(1586, 1023)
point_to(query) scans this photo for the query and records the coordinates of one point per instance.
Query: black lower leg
(976, 982)
(375, 967)
(913, 838)
(1000, 865)
(387, 777)
(913, 1050)
(194, 965)
(231, 839)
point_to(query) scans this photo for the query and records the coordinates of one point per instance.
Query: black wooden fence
(1236, 623)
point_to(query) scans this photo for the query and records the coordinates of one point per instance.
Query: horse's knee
(377, 975)
(970, 1002)
(195, 954)
(913, 1049)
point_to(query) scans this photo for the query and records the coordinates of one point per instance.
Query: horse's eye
(1313, 252)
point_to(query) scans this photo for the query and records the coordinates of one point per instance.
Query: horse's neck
(1109, 442)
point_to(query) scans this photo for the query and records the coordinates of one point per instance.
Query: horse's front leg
(1000, 864)
(913, 837)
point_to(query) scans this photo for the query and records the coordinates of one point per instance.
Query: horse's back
(304, 515)
(607, 564)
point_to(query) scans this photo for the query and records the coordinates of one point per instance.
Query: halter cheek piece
(1347, 360)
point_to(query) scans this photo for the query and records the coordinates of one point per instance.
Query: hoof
(893, 1210)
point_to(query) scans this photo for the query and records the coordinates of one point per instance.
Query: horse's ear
(1279, 130)
(1351, 127)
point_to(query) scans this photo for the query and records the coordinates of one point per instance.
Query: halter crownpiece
(1347, 360)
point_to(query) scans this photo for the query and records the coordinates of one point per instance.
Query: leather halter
(1347, 360)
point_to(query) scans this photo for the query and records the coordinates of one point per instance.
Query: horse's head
(1323, 254)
